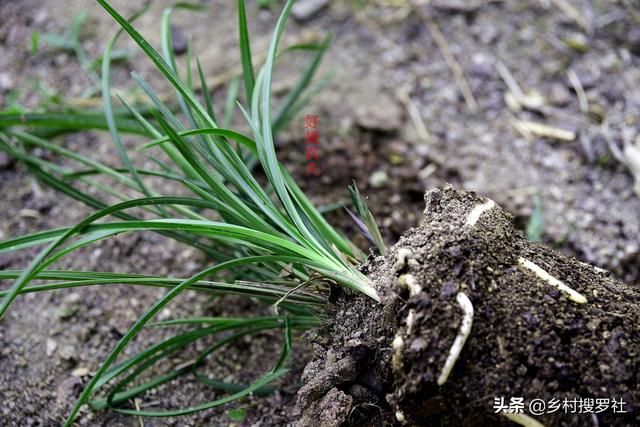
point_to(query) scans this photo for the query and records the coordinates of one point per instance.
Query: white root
(398, 342)
(597, 269)
(523, 419)
(403, 255)
(478, 210)
(411, 321)
(409, 280)
(542, 274)
(461, 338)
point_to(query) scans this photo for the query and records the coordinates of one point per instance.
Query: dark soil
(379, 364)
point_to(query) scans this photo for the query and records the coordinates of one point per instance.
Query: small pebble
(51, 346)
(6, 82)
(178, 40)
(305, 9)
(80, 372)
(559, 95)
(378, 113)
(67, 352)
(5, 160)
(378, 179)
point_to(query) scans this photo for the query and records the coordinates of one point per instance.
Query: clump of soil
(380, 364)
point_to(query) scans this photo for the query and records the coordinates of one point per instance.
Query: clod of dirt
(542, 326)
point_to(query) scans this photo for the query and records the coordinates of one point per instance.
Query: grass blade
(245, 51)
(70, 121)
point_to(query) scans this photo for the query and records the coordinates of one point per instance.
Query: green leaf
(70, 121)
(237, 414)
(137, 327)
(108, 110)
(245, 51)
(367, 218)
(35, 42)
(285, 113)
(535, 224)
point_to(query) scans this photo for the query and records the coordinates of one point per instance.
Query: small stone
(481, 66)
(67, 311)
(51, 346)
(418, 344)
(378, 179)
(559, 95)
(427, 171)
(178, 40)
(331, 358)
(6, 82)
(80, 372)
(72, 298)
(67, 352)
(305, 9)
(40, 17)
(458, 6)
(577, 42)
(379, 113)
(5, 160)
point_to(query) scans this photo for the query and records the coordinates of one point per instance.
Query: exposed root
(461, 338)
(525, 343)
(597, 269)
(411, 321)
(403, 255)
(542, 274)
(523, 419)
(410, 282)
(478, 210)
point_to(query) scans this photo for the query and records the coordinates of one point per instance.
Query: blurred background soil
(518, 100)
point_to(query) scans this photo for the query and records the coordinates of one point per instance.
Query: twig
(453, 65)
(629, 156)
(510, 81)
(290, 292)
(573, 13)
(414, 114)
(140, 419)
(577, 86)
(546, 131)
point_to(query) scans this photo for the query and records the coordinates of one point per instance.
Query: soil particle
(529, 338)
